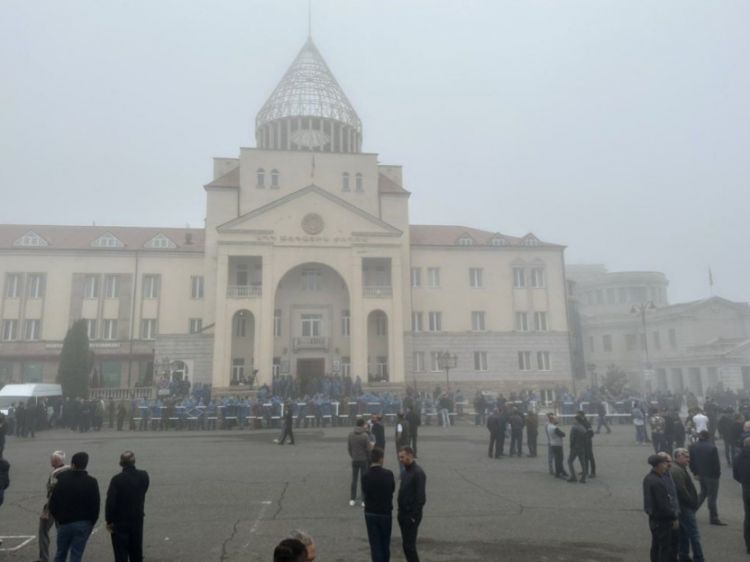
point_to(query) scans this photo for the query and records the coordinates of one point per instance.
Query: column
(222, 327)
(264, 323)
(396, 327)
(358, 338)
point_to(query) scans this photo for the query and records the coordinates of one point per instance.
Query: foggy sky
(618, 128)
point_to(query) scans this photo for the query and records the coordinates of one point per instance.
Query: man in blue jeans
(74, 504)
(687, 497)
(378, 485)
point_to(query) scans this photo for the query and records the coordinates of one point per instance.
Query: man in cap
(662, 510)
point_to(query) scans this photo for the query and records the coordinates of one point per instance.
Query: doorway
(309, 372)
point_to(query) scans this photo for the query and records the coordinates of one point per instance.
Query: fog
(619, 129)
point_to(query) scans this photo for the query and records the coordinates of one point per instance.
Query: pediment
(311, 211)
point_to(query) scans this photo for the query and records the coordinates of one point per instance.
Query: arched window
(261, 175)
(275, 178)
(345, 182)
(358, 182)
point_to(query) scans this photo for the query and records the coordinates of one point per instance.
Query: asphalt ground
(232, 495)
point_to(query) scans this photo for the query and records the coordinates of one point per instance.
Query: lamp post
(641, 309)
(447, 361)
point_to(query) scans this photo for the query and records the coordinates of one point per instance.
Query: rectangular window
(311, 280)
(150, 286)
(622, 295)
(524, 360)
(346, 323)
(610, 296)
(196, 325)
(346, 366)
(591, 344)
(542, 360)
(630, 342)
(657, 340)
(311, 325)
(36, 286)
(476, 275)
(537, 277)
(419, 361)
(13, 285)
(480, 360)
(91, 287)
(599, 296)
(32, 330)
(435, 361)
(540, 322)
(111, 289)
(416, 322)
(148, 329)
(10, 330)
(196, 287)
(436, 321)
(522, 322)
(238, 368)
(91, 329)
(240, 326)
(607, 343)
(416, 276)
(477, 321)
(381, 325)
(519, 277)
(433, 277)
(672, 338)
(110, 330)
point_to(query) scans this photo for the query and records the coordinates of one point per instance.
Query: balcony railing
(244, 291)
(377, 291)
(314, 342)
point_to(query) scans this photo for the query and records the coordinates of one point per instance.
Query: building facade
(307, 266)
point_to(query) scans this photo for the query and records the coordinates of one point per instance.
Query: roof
(80, 237)
(230, 179)
(448, 235)
(387, 185)
(31, 390)
(679, 308)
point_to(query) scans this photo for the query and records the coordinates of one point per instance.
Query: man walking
(124, 510)
(411, 500)
(288, 422)
(359, 446)
(378, 431)
(741, 473)
(74, 504)
(577, 449)
(705, 464)
(378, 485)
(661, 510)
(57, 461)
(687, 498)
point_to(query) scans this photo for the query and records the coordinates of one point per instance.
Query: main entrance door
(309, 371)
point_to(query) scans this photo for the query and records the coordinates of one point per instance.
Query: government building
(307, 265)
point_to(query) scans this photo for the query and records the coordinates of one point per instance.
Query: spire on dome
(308, 110)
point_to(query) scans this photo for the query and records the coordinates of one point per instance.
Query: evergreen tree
(75, 362)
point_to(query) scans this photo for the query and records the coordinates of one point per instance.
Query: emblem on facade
(312, 223)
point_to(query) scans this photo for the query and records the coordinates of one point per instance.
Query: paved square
(227, 496)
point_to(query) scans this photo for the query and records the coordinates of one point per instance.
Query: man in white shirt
(701, 422)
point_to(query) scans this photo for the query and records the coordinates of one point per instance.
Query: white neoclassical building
(307, 265)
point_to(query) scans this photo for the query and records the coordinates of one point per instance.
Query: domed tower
(308, 110)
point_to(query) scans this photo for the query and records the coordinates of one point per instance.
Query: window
(416, 276)
(381, 325)
(107, 240)
(358, 185)
(196, 325)
(36, 286)
(436, 321)
(519, 277)
(13, 285)
(524, 360)
(10, 330)
(630, 342)
(433, 277)
(607, 342)
(591, 344)
(274, 179)
(416, 322)
(537, 277)
(435, 361)
(657, 340)
(277, 323)
(238, 368)
(91, 329)
(196, 287)
(150, 286)
(110, 330)
(418, 361)
(530, 241)
(477, 321)
(31, 239)
(111, 289)
(480, 360)
(311, 325)
(599, 296)
(276, 367)
(346, 323)
(498, 241)
(91, 287)
(672, 338)
(148, 329)
(382, 367)
(610, 296)
(311, 280)
(542, 360)
(475, 277)
(622, 295)
(160, 242)
(540, 321)
(465, 241)
(240, 326)
(346, 366)
(522, 322)
(260, 177)
(345, 182)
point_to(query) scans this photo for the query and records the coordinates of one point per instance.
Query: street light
(641, 309)
(446, 362)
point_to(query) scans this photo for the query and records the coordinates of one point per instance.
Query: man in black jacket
(493, 425)
(741, 473)
(661, 509)
(378, 485)
(124, 510)
(414, 417)
(705, 464)
(411, 500)
(288, 423)
(578, 449)
(687, 498)
(74, 504)
(378, 431)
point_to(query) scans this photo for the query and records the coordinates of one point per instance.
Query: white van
(11, 393)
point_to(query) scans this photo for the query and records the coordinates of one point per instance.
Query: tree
(615, 380)
(75, 362)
